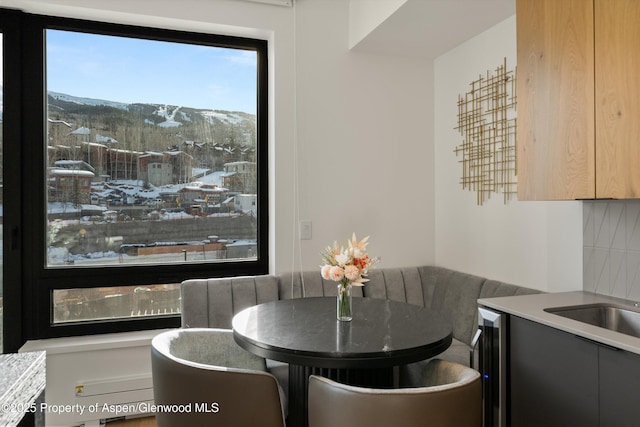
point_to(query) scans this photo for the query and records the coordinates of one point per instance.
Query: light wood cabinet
(617, 89)
(578, 133)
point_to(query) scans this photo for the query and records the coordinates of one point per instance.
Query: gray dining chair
(205, 378)
(451, 397)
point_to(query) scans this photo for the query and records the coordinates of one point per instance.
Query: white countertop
(531, 307)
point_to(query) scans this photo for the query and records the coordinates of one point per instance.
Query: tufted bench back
(452, 293)
(212, 303)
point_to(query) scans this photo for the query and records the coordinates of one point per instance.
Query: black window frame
(10, 22)
(33, 291)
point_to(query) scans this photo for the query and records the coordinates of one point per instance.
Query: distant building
(160, 174)
(144, 165)
(70, 185)
(206, 194)
(245, 203)
(240, 177)
(57, 131)
(83, 144)
(84, 134)
(74, 165)
(242, 249)
(169, 167)
(181, 163)
(123, 164)
(97, 155)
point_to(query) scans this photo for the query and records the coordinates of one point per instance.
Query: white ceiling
(429, 28)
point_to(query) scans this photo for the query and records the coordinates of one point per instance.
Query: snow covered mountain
(174, 116)
(87, 101)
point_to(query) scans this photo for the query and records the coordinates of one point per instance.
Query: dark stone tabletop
(305, 331)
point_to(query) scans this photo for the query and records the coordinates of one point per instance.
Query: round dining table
(305, 333)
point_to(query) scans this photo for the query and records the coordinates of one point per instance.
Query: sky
(131, 70)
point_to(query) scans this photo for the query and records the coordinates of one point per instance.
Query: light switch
(305, 230)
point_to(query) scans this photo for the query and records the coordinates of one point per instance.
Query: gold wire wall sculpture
(487, 122)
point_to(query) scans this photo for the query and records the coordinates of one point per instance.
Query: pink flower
(351, 272)
(324, 271)
(336, 273)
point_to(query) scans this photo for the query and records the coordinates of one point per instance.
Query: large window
(145, 165)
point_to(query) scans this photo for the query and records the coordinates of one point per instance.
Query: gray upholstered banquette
(213, 302)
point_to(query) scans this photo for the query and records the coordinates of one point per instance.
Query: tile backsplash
(611, 248)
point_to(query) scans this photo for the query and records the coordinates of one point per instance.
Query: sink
(616, 318)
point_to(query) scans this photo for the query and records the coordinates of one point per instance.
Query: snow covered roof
(95, 144)
(81, 131)
(213, 190)
(101, 138)
(74, 165)
(70, 172)
(239, 163)
(242, 243)
(178, 153)
(125, 151)
(62, 122)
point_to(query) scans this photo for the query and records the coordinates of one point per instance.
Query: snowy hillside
(174, 116)
(87, 101)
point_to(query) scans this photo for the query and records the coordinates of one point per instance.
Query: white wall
(364, 143)
(366, 15)
(533, 244)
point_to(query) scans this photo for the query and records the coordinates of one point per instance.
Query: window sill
(91, 342)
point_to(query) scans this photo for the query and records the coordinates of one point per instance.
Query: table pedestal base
(299, 386)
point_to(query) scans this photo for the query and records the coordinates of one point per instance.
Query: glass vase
(344, 304)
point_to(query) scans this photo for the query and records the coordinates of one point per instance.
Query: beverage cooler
(490, 342)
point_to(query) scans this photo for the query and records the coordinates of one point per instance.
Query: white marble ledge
(22, 381)
(532, 307)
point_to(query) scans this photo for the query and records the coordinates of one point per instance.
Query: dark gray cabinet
(559, 379)
(553, 377)
(619, 388)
